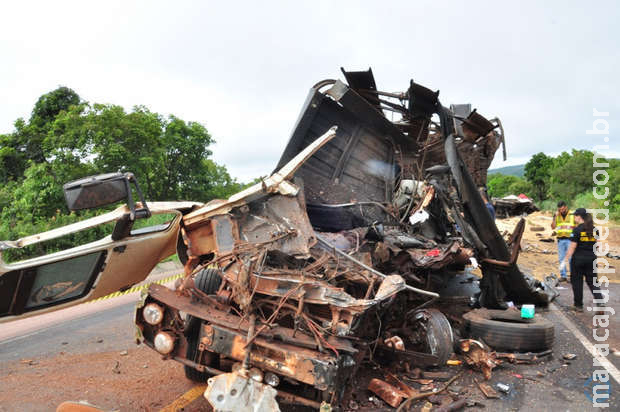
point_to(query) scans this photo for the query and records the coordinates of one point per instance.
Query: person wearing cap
(563, 223)
(581, 256)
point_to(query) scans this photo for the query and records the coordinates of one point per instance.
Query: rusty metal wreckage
(339, 255)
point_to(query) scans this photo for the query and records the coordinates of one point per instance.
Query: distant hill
(517, 170)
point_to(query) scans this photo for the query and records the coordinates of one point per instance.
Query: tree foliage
(572, 175)
(500, 185)
(538, 173)
(568, 177)
(67, 138)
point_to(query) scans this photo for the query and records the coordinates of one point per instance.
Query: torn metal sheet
(276, 183)
(392, 395)
(479, 356)
(440, 256)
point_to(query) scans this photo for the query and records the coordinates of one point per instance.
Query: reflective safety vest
(564, 226)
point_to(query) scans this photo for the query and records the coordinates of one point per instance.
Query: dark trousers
(580, 269)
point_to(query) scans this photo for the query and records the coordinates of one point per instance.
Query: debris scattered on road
(390, 394)
(521, 358)
(124, 353)
(503, 387)
(29, 362)
(569, 356)
(472, 402)
(117, 367)
(486, 390)
(422, 381)
(452, 406)
(442, 376)
(424, 395)
(479, 356)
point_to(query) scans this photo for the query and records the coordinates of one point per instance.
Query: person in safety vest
(563, 223)
(582, 261)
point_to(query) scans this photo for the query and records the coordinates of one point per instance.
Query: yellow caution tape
(139, 287)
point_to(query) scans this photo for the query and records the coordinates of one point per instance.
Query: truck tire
(207, 281)
(506, 330)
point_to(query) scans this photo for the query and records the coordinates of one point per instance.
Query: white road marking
(609, 367)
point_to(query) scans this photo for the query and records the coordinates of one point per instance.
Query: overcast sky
(243, 69)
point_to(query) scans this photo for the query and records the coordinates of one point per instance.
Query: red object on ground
(433, 252)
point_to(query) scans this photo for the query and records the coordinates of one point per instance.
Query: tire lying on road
(505, 330)
(207, 281)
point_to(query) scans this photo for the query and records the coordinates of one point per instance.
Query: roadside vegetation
(67, 138)
(565, 177)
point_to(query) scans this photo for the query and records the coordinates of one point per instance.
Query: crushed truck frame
(342, 254)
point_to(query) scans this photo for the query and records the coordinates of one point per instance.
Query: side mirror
(96, 191)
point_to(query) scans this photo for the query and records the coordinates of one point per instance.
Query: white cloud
(244, 69)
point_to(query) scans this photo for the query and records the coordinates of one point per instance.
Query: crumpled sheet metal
(439, 257)
(277, 215)
(276, 183)
(392, 395)
(317, 291)
(479, 356)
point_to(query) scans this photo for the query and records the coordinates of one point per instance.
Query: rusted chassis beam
(284, 396)
(278, 349)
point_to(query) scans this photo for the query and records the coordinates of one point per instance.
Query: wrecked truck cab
(337, 256)
(332, 252)
(289, 301)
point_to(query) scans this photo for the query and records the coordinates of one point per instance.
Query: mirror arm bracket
(144, 211)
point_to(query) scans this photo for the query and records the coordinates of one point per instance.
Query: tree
(66, 139)
(537, 172)
(26, 142)
(521, 186)
(12, 160)
(573, 176)
(500, 185)
(170, 157)
(51, 104)
(185, 157)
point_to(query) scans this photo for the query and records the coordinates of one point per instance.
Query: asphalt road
(108, 330)
(554, 384)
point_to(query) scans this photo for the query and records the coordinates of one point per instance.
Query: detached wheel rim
(437, 333)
